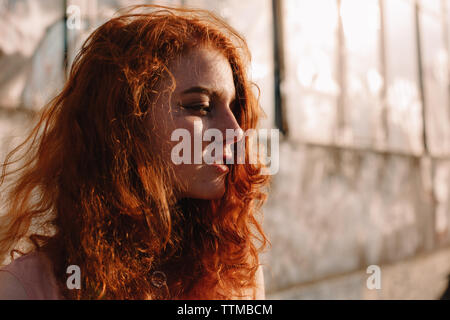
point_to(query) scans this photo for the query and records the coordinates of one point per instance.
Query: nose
(232, 132)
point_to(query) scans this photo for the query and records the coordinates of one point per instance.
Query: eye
(202, 108)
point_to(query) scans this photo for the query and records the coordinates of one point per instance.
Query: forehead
(203, 67)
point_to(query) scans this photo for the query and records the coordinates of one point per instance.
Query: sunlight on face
(204, 95)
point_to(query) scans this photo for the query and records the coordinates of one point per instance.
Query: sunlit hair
(89, 189)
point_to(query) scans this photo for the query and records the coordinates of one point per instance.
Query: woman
(98, 190)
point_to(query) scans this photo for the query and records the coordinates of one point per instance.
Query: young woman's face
(204, 95)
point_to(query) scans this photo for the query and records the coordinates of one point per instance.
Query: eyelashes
(202, 108)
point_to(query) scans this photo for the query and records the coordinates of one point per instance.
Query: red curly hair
(89, 190)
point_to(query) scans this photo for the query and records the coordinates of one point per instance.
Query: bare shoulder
(11, 288)
(260, 291)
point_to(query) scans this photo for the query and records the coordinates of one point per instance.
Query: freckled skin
(206, 68)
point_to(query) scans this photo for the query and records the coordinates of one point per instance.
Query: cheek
(188, 173)
(196, 127)
(165, 128)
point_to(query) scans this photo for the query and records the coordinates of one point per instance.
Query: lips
(222, 168)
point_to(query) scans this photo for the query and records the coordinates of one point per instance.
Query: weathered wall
(364, 174)
(335, 211)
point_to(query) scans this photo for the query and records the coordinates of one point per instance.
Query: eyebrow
(198, 90)
(204, 90)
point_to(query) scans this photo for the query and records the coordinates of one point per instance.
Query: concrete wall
(334, 212)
